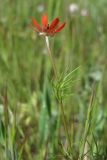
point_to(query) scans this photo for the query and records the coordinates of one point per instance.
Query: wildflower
(84, 12)
(46, 29)
(73, 8)
(40, 8)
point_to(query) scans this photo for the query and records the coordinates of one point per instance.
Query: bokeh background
(34, 128)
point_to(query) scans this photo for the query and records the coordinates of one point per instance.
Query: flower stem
(65, 124)
(50, 56)
(60, 101)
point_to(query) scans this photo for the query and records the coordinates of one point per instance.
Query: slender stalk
(65, 124)
(87, 123)
(50, 56)
(5, 102)
(60, 101)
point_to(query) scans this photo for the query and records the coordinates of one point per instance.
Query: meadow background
(30, 124)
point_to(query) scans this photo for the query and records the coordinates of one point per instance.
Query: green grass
(31, 127)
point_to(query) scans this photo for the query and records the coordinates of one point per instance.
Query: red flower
(46, 29)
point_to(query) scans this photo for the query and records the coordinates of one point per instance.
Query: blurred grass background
(34, 127)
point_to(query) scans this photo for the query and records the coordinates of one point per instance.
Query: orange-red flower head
(46, 29)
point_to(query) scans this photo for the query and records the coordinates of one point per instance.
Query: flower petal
(36, 24)
(60, 28)
(45, 20)
(54, 23)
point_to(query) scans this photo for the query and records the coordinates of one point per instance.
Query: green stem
(60, 101)
(6, 118)
(87, 123)
(65, 124)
